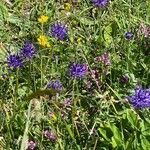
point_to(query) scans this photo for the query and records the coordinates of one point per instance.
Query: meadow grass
(91, 112)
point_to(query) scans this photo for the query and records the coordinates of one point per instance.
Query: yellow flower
(53, 116)
(79, 40)
(43, 19)
(43, 41)
(67, 7)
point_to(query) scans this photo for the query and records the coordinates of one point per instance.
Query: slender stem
(16, 87)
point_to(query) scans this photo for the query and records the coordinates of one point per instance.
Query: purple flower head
(31, 145)
(50, 135)
(28, 50)
(129, 35)
(140, 98)
(78, 70)
(55, 84)
(14, 61)
(100, 3)
(105, 59)
(59, 31)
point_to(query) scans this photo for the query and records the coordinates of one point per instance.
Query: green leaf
(3, 12)
(132, 118)
(14, 20)
(117, 137)
(107, 35)
(68, 127)
(145, 128)
(87, 21)
(128, 143)
(103, 133)
(145, 143)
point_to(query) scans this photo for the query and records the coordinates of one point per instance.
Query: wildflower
(105, 58)
(145, 30)
(14, 61)
(50, 135)
(67, 103)
(52, 116)
(129, 35)
(100, 3)
(79, 41)
(140, 98)
(59, 31)
(31, 145)
(78, 70)
(94, 74)
(43, 41)
(67, 7)
(43, 19)
(56, 84)
(28, 50)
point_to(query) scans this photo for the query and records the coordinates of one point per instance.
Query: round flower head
(78, 70)
(14, 61)
(56, 85)
(140, 98)
(129, 35)
(100, 3)
(59, 31)
(28, 50)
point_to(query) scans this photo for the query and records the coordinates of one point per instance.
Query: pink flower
(104, 58)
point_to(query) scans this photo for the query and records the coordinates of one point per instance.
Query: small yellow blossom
(53, 116)
(43, 41)
(43, 19)
(79, 41)
(67, 7)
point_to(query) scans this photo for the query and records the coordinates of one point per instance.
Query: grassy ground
(97, 117)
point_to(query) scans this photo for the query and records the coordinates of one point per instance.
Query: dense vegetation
(74, 75)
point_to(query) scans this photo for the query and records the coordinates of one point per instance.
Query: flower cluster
(100, 3)
(43, 19)
(104, 58)
(55, 84)
(17, 60)
(28, 51)
(14, 61)
(144, 29)
(50, 135)
(59, 31)
(140, 98)
(43, 41)
(78, 70)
